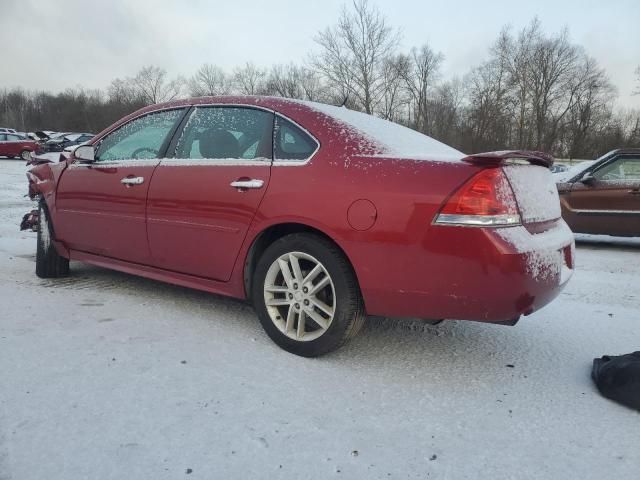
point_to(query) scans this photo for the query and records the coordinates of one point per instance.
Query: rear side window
(3, 137)
(141, 138)
(226, 133)
(291, 142)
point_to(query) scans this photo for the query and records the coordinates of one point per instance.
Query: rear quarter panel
(394, 253)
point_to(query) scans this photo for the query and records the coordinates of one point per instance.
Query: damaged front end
(43, 176)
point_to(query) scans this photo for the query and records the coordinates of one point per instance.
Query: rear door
(204, 196)
(101, 206)
(610, 205)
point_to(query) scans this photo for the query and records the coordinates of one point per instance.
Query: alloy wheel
(300, 296)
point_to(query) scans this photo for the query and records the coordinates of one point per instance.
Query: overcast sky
(55, 44)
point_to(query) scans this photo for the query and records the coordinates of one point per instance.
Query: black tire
(25, 155)
(48, 263)
(349, 314)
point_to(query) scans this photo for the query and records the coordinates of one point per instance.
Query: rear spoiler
(498, 158)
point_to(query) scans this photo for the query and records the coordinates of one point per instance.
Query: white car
(7, 130)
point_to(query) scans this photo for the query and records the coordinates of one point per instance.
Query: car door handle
(244, 184)
(132, 181)
(634, 192)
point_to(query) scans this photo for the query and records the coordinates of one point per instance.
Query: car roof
(624, 151)
(373, 135)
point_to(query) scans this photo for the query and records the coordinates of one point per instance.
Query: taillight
(485, 200)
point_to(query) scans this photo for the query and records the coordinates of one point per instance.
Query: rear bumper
(483, 274)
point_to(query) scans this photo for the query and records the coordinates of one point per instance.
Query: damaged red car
(317, 214)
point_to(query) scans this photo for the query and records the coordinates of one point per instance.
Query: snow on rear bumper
(548, 256)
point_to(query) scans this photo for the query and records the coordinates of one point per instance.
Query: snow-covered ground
(108, 376)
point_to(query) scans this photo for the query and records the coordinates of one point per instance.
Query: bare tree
(353, 52)
(123, 91)
(249, 80)
(285, 81)
(394, 98)
(488, 112)
(209, 80)
(422, 69)
(152, 85)
(447, 107)
(637, 90)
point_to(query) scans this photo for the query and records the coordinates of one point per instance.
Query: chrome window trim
(133, 162)
(274, 162)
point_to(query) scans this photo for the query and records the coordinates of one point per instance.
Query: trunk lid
(531, 180)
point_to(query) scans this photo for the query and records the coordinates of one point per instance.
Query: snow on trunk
(535, 192)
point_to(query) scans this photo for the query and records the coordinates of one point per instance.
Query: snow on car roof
(393, 139)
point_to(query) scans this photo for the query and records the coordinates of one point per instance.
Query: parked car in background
(13, 145)
(7, 130)
(59, 143)
(318, 214)
(558, 167)
(603, 197)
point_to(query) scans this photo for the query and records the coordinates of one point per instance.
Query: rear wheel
(306, 295)
(48, 263)
(25, 155)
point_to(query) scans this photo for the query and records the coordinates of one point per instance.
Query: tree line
(534, 90)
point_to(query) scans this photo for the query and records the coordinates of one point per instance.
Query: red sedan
(13, 145)
(318, 214)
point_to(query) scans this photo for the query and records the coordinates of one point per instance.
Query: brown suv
(603, 197)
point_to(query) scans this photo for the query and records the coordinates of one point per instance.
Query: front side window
(226, 133)
(624, 168)
(291, 142)
(141, 138)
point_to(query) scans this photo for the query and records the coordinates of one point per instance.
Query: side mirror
(588, 179)
(85, 154)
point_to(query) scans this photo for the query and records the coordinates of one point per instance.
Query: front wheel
(25, 155)
(306, 295)
(48, 263)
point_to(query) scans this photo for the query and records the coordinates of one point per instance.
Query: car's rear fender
(405, 195)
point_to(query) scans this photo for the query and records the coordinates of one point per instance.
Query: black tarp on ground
(618, 378)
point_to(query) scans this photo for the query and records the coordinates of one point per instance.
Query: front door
(204, 196)
(101, 206)
(610, 204)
